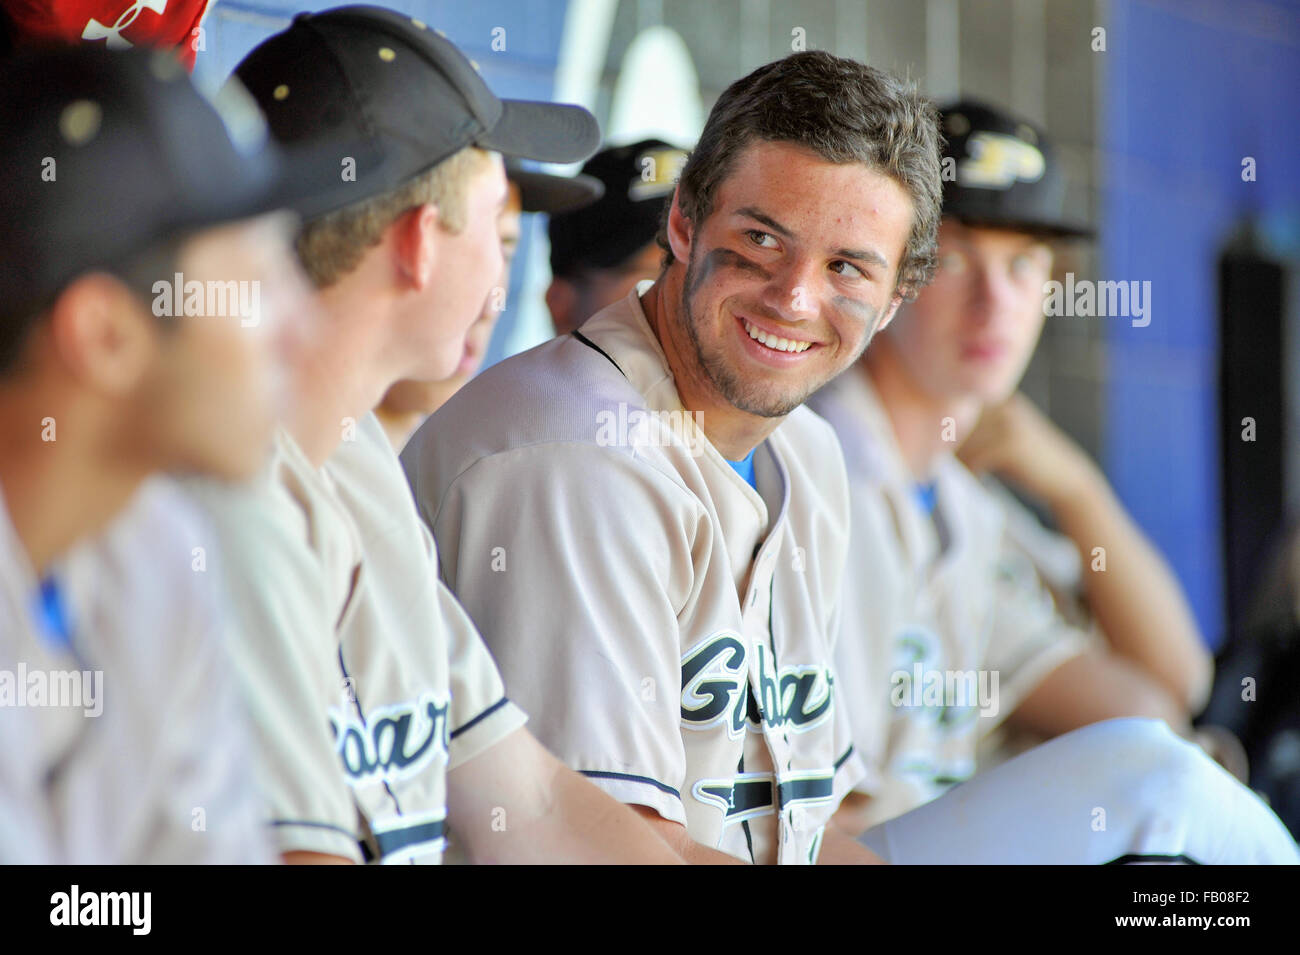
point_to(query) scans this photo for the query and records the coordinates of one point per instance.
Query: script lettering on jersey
(713, 683)
(393, 742)
(797, 697)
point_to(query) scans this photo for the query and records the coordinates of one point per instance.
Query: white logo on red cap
(113, 34)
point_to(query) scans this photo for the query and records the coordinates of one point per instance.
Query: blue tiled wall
(1191, 89)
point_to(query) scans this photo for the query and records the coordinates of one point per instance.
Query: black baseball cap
(1001, 171)
(639, 180)
(365, 74)
(545, 192)
(109, 153)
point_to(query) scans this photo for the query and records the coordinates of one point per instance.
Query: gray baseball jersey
(367, 682)
(143, 754)
(668, 628)
(942, 634)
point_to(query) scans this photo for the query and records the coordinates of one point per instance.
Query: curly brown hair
(844, 111)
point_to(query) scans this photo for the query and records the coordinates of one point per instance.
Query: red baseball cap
(117, 24)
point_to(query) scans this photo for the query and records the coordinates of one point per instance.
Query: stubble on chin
(712, 368)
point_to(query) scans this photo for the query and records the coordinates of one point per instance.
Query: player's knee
(1183, 765)
(1145, 731)
(1122, 740)
(1178, 781)
(1150, 744)
(1137, 747)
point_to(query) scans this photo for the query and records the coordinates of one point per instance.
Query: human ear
(103, 335)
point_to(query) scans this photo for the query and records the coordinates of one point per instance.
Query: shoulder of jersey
(558, 392)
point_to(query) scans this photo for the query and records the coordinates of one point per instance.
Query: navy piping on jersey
(843, 759)
(602, 774)
(771, 626)
(316, 825)
(482, 716)
(750, 794)
(1135, 857)
(590, 344)
(394, 840)
(356, 699)
(797, 790)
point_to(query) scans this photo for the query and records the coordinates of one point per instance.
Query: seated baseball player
(125, 742)
(1140, 619)
(601, 251)
(947, 630)
(644, 521)
(381, 720)
(409, 402)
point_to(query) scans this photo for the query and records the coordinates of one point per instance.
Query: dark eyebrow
(868, 255)
(752, 213)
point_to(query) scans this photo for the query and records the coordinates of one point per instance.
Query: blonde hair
(330, 247)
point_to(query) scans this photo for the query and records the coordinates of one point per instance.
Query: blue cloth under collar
(52, 616)
(926, 497)
(745, 469)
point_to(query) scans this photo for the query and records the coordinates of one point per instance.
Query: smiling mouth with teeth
(773, 342)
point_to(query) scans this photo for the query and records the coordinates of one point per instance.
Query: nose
(794, 291)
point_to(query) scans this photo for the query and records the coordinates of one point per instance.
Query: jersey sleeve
(1028, 638)
(481, 715)
(284, 659)
(577, 586)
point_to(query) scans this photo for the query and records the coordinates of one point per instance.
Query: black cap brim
(1054, 229)
(547, 132)
(542, 192)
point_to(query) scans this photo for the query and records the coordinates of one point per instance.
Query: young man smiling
(666, 608)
